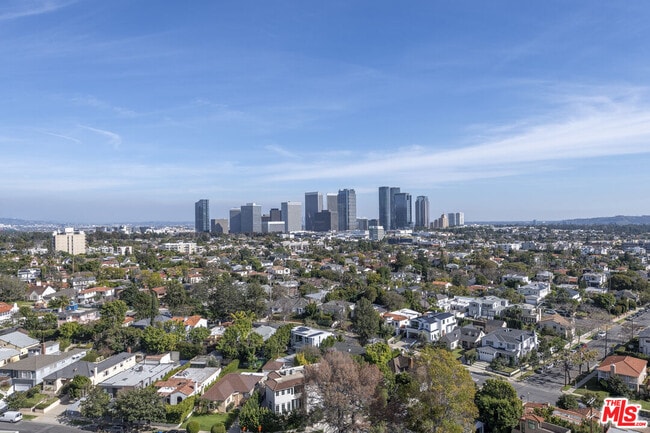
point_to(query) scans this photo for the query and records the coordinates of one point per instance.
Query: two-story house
(31, 371)
(431, 326)
(488, 307)
(507, 343)
(633, 371)
(535, 292)
(284, 390)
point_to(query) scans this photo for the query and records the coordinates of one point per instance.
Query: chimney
(612, 369)
(42, 348)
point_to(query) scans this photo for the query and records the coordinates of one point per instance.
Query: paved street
(39, 427)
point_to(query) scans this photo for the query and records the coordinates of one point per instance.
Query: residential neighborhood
(243, 329)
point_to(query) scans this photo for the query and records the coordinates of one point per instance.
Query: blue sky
(128, 110)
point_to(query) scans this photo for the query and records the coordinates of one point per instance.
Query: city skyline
(122, 111)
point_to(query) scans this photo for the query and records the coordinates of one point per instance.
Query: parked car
(601, 334)
(11, 416)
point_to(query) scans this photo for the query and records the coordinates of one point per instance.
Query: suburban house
(535, 423)
(7, 311)
(83, 282)
(284, 390)
(488, 307)
(29, 372)
(535, 292)
(559, 325)
(23, 343)
(594, 279)
(95, 371)
(431, 326)
(185, 383)
(8, 355)
(95, 294)
(631, 370)
(306, 336)
(231, 391)
(39, 293)
(508, 343)
(399, 319)
(529, 313)
(470, 337)
(141, 375)
(192, 322)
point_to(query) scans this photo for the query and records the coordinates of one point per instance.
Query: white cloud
(26, 8)
(597, 130)
(113, 138)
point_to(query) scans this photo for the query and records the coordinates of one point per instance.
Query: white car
(601, 334)
(11, 416)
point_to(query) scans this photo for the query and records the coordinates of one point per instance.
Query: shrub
(218, 428)
(177, 413)
(193, 427)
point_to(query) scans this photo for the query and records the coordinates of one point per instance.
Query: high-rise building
(275, 214)
(393, 215)
(422, 211)
(313, 205)
(403, 210)
(362, 223)
(251, 218)
(332, 202)
(347, 209)
(460, 219)
(325, 221)
(202, 216)
(292, 216)
(235, 220)
(376, 233)
(384, 207)
(451, 217)
(219, 226)
(70, 241)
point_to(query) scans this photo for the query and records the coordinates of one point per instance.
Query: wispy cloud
(601, 129)
(113, 138)
(65, 137)
(281, 151)
(91, 101)
(24, 8)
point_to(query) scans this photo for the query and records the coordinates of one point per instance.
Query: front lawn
(207, 421)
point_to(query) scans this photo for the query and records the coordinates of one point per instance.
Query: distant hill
(620, 220)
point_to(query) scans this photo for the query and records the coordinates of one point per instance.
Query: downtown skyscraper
(313, 205)
(384, 207)
(202, 216)
(403, 210)
(292, 216)
(422, 212)
(347, 209)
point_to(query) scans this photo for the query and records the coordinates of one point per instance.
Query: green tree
(567, 401)
(157, 340)
(12, 289)
(239, 340)
(139, 405)
(198, 335)
(96, 404)
(112, 314)
(68, 330)
(177, 299)
(366, 320)
(379, 354)
(218, 428)
(499, 405)
(59, 302)
(193, 427)
(79, 386)
(440, 397)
